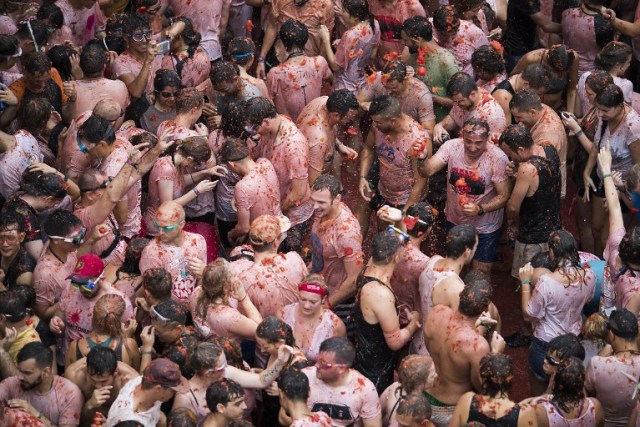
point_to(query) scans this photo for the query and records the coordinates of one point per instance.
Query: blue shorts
(487, 245)
(537, 353)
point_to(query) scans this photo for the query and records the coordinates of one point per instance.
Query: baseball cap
(88, 267)
(623, 324)
(166, 373)
(267, 228)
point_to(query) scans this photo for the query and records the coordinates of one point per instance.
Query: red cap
(166, 373)
(89, 266)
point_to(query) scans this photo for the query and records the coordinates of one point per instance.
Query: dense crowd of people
(273, 212)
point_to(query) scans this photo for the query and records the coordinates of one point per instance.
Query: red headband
(313, 288)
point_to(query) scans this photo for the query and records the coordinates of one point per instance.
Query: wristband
(607, 175)
(580, 132)
(526, 282)
(195, 190)
(146, 352)
(261, 60)
(132, 164)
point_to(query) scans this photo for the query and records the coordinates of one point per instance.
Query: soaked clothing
(106, 343)
(586, 417)
(508, 420)
(441, 413)
(505, 85)
(374, 359)
(540, 213)
(22, 263)
(520, 35)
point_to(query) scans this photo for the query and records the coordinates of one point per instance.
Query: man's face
(462, 102)
(323, 203)
(137, 41)
(164, 394)
(513, 155)
(30, 375)
(35, 82)
(407, 421)
(228, 88)
(234, 410)
(326, 368)
(10, 241)
(525, 117)
(167, 332)
(91, 292)
(169, 224)
(101, 380)
(383, 124)
(474, 145)
(410, 43)
(68, 247)
(551, 363)
(394, 87)
(349, 117)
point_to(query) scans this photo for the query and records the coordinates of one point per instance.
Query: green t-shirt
(439, 69)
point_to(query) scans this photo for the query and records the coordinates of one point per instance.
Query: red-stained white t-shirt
(91, 91)
(82, 22)
(273, 282)
(316, 419)
(13, 163)
(313, 122)
(61, 404)
(163, 170)
(397, 177)
(627, 285)
(258, 191)
(72, 160)
(473, 183)
(174, 259)
(195, 70)
(351, 403)
(218, 321)
(294, 84)
(111, 166)
(488, 110)
(353, 54)
(289, 155)
(123, 409)
(326, 329)
(126, 63)
(334, 242)
(579, 34)
(50, 277)
(468, 39)
(416, 101)
(78, 311)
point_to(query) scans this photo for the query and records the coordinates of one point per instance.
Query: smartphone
(565, 115)
(163, 47)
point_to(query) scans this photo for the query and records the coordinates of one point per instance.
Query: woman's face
(268, 347)
(310, 303)
(591, 95)
(608, 113)
(167, 96)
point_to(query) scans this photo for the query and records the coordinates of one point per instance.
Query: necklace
(57, 257)
(294, 54)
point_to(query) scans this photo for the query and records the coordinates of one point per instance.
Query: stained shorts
(487, 244)
(441, 413)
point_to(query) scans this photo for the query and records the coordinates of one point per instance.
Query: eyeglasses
(10, 238)
(402, 234)
(138, 37)
(322, 366)
(87, 286)
(169, 94)
(552, 361)
(76, 240)
(102, 186)
(166, 228)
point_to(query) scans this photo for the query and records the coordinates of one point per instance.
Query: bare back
(456, 348)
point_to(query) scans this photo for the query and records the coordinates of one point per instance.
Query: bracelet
(580, 132)
(243, 298)
(526, 282)
(195, 190)
(132, 164)
(526, 290)
(607, 175)
(261, 59)
(144, 353)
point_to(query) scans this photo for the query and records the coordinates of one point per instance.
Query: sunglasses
(322, 366)
(169, 94)
(83, 148)
(402, 234)
(87, 286)
(138, 37)
(77, 240)
(102, 186)
(166, 228)
(218, 369)
(552, 361)
(155, 316)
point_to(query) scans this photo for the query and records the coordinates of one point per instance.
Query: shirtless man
(100, 377)
(456, 347)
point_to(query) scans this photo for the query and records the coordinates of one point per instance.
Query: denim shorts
(487, 245)
(537, 353)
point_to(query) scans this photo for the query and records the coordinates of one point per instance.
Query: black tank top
(508, 420)
(373, 355)
(540, 213)
(505, 85)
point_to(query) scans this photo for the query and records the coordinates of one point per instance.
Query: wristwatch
(480, 210)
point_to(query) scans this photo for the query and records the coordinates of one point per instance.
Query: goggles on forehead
(77, 240)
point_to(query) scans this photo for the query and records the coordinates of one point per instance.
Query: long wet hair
(566, 259)
(107, 315)
(413, 372)
(215, 285)
(359, 9)
(568, 386)
(273, 329)
(496, 374)
(132, 257)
